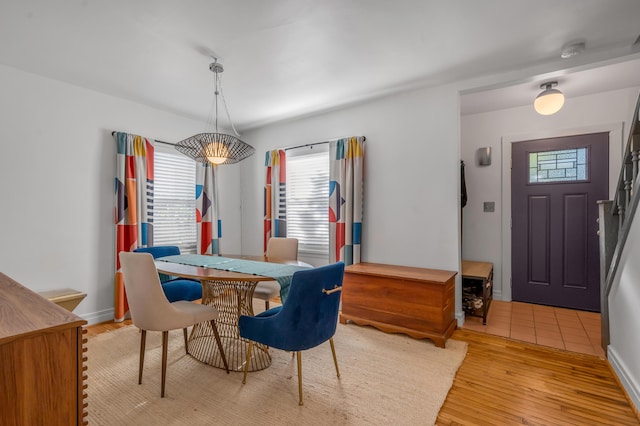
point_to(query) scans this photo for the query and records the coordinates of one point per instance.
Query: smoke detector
(572, 49)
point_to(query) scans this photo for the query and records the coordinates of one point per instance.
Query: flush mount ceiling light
(550, 100)
(214, 147)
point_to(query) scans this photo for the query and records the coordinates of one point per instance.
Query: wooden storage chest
(418, 302)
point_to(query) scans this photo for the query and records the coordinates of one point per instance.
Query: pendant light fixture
(550, 100)
(214, 147)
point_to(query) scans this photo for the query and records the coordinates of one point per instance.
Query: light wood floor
(504, 382)
(508, 382)
(94, 330)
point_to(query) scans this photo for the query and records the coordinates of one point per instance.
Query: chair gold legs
(143, 340)
(335, 359)
(219, 342)
(165, 343)
(246, 368)
(299, 356)
(246, 364)
(186, 341)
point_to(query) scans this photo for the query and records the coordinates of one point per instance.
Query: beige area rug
(385, 379)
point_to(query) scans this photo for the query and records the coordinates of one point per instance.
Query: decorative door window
(566, 165)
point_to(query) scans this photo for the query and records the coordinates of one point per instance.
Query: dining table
(228, 283)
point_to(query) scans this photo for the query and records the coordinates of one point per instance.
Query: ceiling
(287, 58)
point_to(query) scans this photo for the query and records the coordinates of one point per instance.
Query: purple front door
(555, 186)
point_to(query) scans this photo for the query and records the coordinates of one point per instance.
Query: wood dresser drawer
(42, 360)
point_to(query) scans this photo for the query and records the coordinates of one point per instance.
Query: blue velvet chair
(177, 288)
(307, 318)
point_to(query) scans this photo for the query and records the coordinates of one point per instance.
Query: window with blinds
(308, 198)
(174, 205)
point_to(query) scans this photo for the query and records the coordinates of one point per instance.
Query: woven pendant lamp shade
(215, 148)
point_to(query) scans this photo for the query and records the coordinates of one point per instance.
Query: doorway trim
(616, 146)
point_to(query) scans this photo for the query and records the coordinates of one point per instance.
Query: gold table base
(232, 299)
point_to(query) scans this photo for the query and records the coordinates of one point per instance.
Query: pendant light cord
(217, 83)
(217, 90)
(224, 102)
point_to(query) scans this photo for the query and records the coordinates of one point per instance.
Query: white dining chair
(151, 311)
(281, 248)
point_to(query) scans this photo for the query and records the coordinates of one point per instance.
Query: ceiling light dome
(550, 100)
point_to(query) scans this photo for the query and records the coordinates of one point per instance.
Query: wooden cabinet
(42, 372)
(418, 302)
(477, 288)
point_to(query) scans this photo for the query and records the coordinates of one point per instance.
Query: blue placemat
(278, 271)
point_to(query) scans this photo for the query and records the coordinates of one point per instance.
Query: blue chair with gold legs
(177, 288)
(307, 318)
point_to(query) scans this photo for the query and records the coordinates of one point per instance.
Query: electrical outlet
(489, 206)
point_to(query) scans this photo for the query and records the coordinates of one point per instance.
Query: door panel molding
(575, 248)
(539, 240)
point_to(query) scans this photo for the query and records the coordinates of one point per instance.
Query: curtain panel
(209, 225)
(346, 199)
(133, 213)
(275, 196)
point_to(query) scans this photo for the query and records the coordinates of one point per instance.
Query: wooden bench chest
(418, 302)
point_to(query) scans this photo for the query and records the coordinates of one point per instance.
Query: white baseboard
(632, 388)
(460, 318)
(98, 317)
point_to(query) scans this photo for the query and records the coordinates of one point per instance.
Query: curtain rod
(303, 146)
(364, 138)
(155, 140)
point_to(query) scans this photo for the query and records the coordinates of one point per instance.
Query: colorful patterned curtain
(275, 196)
(346, 199)
(133, 204)
(209, 225)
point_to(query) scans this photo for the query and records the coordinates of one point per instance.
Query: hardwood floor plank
(560, 406)
(104, 327)
(504, 382)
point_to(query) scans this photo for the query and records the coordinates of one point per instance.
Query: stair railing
(615, 219)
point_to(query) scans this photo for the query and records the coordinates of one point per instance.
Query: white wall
(57, 171)
(412, 175)
(624, 315)
(486, 236)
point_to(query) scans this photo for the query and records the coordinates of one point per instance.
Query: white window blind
(308, 200)
(174, 212)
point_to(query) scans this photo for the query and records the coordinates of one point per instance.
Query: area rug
(384, 379)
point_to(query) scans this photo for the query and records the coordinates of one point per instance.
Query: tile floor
(576, 331)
